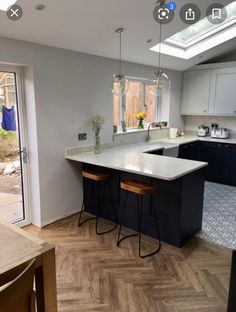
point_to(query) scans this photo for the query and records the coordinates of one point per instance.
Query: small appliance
(220, 133)
(203, 131)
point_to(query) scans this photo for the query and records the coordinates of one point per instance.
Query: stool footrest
(151, 253)
(127, 236)
(86, 220)
(105, 232)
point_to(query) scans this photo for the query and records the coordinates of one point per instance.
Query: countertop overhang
(133, 158)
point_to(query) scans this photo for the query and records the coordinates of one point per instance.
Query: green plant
(8, 144)
(7, 135)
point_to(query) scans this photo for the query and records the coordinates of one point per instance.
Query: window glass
(150, 103)
(138, 99)
(116, 110)
(133, 103)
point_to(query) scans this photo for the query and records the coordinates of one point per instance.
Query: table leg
(45, 279)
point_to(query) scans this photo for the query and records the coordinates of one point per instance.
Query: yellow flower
(140, 116)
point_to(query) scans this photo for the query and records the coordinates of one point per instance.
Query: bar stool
(99, 178)
(141, 189)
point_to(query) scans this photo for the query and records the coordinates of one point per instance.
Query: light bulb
(120, 85)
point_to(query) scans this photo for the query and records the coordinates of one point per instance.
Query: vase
(123, 126)
(140, 124)
(97, 144)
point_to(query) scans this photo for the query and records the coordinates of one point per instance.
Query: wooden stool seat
(138, 187)
(100, 179)
(96, 176)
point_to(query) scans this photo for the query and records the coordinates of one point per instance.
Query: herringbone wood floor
(94, 275)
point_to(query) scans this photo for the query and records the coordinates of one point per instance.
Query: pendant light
(161, 83)
(120, 82)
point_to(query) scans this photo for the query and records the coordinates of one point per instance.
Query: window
(138, 99)
(200, 36)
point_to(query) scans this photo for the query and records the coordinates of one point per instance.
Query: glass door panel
(12, 153)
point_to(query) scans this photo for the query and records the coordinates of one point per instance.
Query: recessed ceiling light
(40, 7)
(5, 4)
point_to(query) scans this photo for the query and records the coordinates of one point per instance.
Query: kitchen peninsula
(179, 197)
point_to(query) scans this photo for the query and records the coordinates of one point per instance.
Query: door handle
(23, 153)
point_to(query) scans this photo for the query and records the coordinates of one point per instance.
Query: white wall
(175, 119)
(70, 87)
(192, 122)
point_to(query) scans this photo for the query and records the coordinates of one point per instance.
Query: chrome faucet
(148, 132)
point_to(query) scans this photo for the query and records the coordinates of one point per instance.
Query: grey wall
(226, 57)
(70, 87)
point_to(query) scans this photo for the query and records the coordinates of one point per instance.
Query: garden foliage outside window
(138, 99)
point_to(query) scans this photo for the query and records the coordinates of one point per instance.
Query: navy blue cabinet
(221, 159)
(232, 163)
(189, 151)
(217, 156)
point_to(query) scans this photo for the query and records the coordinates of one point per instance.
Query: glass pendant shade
(161, 84)
(120, 85)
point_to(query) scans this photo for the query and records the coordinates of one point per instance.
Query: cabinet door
(232, 164)
(223, 92)
(213, 154)
(188, 151)
(196, 91)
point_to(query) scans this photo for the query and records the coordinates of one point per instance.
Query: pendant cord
(160, 38)
(120, 56)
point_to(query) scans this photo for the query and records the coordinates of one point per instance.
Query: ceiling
(88, 26)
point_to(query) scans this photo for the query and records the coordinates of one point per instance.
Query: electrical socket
(82, 136)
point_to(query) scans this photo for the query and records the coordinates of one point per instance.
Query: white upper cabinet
(223, 92)
(196, 91)
(209, 92)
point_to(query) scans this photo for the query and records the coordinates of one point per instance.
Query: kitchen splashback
(192, 122)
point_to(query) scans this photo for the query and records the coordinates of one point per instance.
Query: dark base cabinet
(189, 151)
(179, 205)
(221, 158)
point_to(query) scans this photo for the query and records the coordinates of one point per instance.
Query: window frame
(144, 83)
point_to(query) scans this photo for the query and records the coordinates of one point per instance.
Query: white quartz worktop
(132, 158)
(193, 138)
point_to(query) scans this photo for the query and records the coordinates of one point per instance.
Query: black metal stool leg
(100, 211)
(112, 203)
(82, 208)
(140, 214)
(157, 229)
(119, 240)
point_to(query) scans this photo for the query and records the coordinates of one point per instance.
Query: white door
(196, 90)
(14, 179)
(223, 92)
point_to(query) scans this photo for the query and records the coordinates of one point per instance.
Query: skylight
(5, 4)
(200, 36)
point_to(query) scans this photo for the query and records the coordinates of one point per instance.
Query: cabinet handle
(219, 145)
(235, 111)
(205, 111)
(226, 145)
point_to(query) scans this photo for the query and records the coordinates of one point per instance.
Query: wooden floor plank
(94, 275)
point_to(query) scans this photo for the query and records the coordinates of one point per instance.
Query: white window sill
(135, 130)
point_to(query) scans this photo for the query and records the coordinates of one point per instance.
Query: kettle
(203, 131)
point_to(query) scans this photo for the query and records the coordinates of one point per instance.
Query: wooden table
(17, 247)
